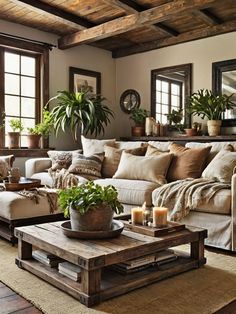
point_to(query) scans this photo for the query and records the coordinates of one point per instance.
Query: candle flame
(144, 206)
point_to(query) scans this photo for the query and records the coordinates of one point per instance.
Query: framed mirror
(170, 89)
(224, 82)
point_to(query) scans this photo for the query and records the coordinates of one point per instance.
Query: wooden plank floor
(10, 302)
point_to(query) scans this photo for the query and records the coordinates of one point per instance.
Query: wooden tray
(116, 229)
(154, 231)
(23, 184)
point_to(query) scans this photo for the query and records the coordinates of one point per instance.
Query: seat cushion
(131, 191)
(46, 179)
(15, 206)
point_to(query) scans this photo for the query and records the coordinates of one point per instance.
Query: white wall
(135, 71)
(86, 57)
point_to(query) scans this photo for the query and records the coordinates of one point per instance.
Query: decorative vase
(138, 131)
(191, 132)
(214, 127)
(13, 140)
(149, 122)
(95, 219)
(33, 140)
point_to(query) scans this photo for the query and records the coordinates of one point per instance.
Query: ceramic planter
(214, 127)
(96, 219)
(191, 132)
(13, 140)
(138, 131)
(33, 140)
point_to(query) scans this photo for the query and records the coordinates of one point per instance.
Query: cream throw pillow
(153, 151)
(153, 168)
(221, 167)
(93, 146)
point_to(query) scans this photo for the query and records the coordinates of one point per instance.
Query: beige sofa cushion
(15, 206)
(94, 146)
(163, 146)
(153, 168)
(46, 179)
(131, 191)
(221, 167)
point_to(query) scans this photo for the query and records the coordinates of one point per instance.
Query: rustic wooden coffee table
(99, 282)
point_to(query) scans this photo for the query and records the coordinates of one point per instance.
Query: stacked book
(46, 258)
(70, 270)
(146, 261)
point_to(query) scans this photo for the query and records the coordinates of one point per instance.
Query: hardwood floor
(10, 302)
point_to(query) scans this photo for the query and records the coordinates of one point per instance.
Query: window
(21, 90)
(168, 97)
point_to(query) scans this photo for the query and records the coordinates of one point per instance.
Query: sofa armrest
(233, 209)
(35, 165)
(9, 159)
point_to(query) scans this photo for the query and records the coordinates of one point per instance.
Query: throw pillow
(112, 158)
(93, 146)
(153, 151)
(153, 168)
(88, 167)
(61, 159)
(187, 162)
(221, 167)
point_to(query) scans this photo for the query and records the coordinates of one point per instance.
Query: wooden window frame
(42, 53)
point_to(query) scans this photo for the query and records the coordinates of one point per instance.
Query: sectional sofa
(218, 215)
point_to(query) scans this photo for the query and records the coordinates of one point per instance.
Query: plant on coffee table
(90, 206)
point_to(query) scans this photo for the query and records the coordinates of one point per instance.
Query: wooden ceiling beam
(208, 31)
(207, 17)
(51, 11)
(133, 21)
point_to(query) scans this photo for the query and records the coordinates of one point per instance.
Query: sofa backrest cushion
(153, 168)
(163, 146)
(187, 162)
(94, 146)
(153, 151)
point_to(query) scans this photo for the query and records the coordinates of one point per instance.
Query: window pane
(27, 66)
(7, 124)
(27, 107)
(174, 100)
(12, 62)
(12, 105)
(12, 84)
(165, 109)
(165, 86)
(164, 119)
(158, 117)
(23, 141)
(28, 86)
(28, 123)
(165, 99)
(175, 89)
(158, 85)
(158, 97)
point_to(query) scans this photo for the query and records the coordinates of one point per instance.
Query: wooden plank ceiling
(124, 26)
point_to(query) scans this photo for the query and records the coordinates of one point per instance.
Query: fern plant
(205, 104)
(80, 111)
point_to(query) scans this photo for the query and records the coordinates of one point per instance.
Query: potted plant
(80, 111)
(205, 104)
(90, 206)
(176, 117)
(138, 115)
(14, 136)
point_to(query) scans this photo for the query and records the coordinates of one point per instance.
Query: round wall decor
(129, 100)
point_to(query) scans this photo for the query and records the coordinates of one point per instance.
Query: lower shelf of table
(112, 282)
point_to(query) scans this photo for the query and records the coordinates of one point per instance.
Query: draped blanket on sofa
(184, 195)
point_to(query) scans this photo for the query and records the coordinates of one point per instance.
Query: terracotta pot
(33, 140)
(191, 132)
(13, 139)
(138, 131)
(214, 127)
(96, 219)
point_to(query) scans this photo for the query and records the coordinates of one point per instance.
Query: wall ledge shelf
(183, 138)
(25, 152)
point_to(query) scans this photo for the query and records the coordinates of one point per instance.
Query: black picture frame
(92, 80)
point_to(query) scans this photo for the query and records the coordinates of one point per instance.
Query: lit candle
(160, 216)
(137, 216)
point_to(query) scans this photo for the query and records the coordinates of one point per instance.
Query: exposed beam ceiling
(133, 21)
(184, 37)
(207, 17)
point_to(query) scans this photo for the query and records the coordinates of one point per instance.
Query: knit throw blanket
(184, 195)
(62, 179)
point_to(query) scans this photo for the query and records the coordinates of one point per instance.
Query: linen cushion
(221, 167)
(134, 192)
(112, 158)
(153, 151)
(47, 180)
(187, 162)
(94, 146)
(163, 146)
(88, 167)
(153, 168)
(61, 159)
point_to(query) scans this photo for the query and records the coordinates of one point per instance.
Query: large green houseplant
(90, 206)
(205, 104)
(80, 111)
(138, 115)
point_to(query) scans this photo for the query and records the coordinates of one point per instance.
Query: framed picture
(83, 80)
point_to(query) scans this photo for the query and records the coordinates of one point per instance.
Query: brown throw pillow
(112, 158)
(88, 167)
(61, 159)
(187, 162)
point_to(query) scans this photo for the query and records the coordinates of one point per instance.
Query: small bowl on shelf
(191, 132)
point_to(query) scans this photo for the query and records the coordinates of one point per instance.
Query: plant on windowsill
(80, 111)
(138, 115)
(14, 137)
(90, 206)
(204, 103)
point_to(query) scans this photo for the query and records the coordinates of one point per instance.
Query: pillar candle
(160, 216)
(137, 215)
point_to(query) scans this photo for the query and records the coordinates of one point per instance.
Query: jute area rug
(203, 290)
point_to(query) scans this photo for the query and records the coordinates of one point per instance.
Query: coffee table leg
(90, 281)
(197, 251)
(24, 251)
